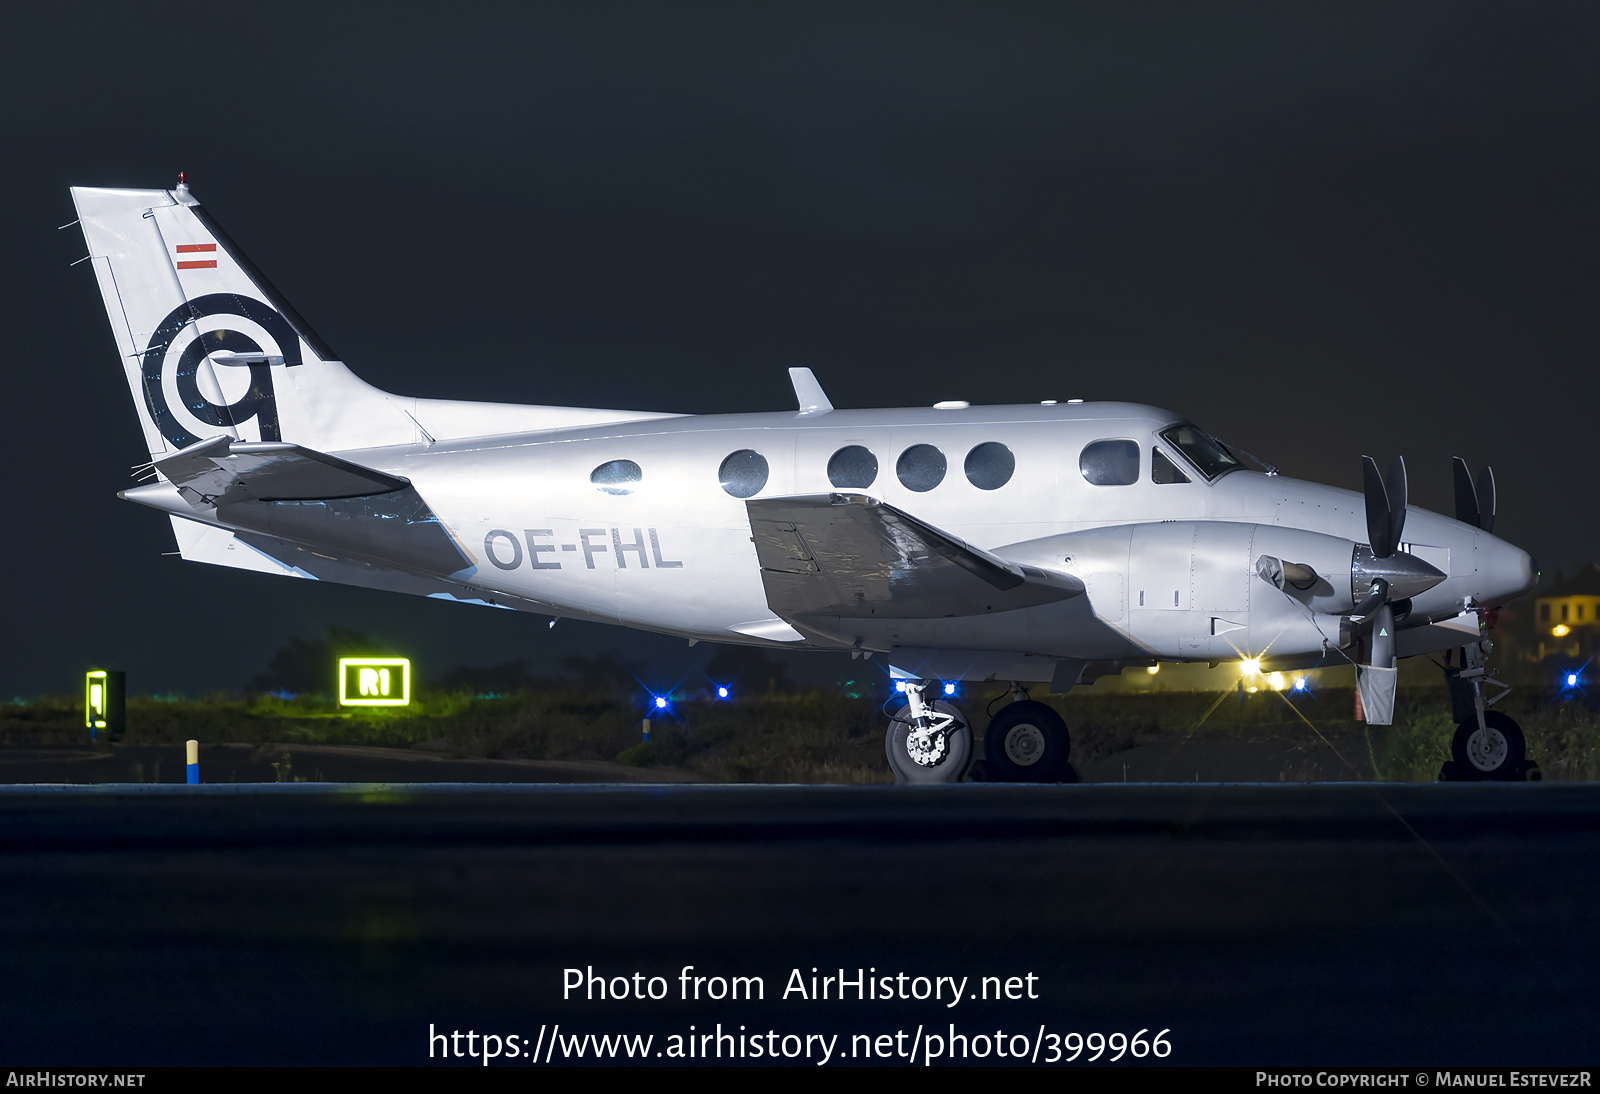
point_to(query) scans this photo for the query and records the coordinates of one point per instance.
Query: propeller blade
(1486, 498)
(1377, 509)
(1466, 496)
(1396, 487)
(1383, 638)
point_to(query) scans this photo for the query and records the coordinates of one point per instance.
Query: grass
(804, 737)
(811, 736)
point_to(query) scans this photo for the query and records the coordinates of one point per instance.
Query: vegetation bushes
(792, 735)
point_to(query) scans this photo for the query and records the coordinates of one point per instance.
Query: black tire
(957, 755)
(1027, 742)
(1500, 761)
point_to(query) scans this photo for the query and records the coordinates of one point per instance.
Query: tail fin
(211, 349)
(185, 304)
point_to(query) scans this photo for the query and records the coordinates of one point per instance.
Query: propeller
(1389, 575)
(1474, 502)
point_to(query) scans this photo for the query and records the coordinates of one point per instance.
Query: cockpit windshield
(1203, 450)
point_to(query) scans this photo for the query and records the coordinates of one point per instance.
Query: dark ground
(1307, 759)
(1413, 925)
(271, 763)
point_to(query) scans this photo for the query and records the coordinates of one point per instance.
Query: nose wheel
(1493, 752)
(1488, 744)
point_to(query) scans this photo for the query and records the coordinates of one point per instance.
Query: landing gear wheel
(926, 762)
(1495, 752)
(1027, 742)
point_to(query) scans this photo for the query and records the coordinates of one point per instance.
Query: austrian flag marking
(197, 264)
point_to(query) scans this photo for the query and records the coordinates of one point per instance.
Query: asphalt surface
(1449, 925)
(237, 763)
(1300, 758)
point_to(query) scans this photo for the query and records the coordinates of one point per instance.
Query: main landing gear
(928, 742)
(1027, 742)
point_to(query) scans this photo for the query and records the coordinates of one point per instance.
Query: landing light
(949, 689)
(1561, 630)
(900, 686)
(1153, 669)
(1276, 680)
(1250, 666)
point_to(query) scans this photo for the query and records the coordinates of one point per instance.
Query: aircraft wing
(221, 471)
(851, 556)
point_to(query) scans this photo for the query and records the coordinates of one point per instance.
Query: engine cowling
(1195, 590)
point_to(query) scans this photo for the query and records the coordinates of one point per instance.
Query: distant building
(1567, 614)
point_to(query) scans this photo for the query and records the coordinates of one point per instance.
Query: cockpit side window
(1110, 463)
(1163, 470)
(1209, 455)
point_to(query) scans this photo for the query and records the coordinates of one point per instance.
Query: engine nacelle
(1201, 591)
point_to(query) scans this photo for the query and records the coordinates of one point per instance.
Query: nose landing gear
(1495, 750)
(1488, 744)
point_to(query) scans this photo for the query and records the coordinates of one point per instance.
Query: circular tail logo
(195, 410)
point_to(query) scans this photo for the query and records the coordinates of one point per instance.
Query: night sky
(1319, 232)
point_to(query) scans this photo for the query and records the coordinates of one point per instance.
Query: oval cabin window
(990, 465)
(743, 473)
(616, 476)
(853, 468)
(920, 467)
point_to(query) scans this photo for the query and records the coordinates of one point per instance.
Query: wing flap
(851, 556)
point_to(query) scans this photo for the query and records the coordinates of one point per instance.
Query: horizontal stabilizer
(222, 471)
(244, 550)
(851, 556)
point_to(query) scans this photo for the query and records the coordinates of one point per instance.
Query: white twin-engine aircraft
(1031, 544)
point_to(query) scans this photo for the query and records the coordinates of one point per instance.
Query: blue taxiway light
(661, 702)
(1572, 679)
(722, 693)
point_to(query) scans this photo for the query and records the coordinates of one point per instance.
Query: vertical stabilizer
(208, 345)
(211, 349)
